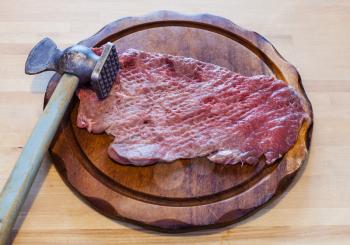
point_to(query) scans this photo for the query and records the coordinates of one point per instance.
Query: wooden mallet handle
(23, 174)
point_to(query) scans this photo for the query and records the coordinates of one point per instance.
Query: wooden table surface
(313, 35)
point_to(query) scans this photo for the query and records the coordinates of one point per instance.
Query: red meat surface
(164, 107)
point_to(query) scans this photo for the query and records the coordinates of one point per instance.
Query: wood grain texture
(187, 194)
(309, 34)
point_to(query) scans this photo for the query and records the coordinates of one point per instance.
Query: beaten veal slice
(164, 107)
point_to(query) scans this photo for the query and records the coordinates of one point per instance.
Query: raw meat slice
(164, 107)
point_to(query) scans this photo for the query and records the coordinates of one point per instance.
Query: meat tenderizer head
(99, 72)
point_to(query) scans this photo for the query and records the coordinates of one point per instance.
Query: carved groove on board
(198, 25)
(177, 202)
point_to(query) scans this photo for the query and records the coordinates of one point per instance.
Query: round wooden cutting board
(186, 194)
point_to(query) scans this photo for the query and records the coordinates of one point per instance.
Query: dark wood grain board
(186, 194)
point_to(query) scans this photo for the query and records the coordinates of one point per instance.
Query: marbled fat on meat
(164, 107)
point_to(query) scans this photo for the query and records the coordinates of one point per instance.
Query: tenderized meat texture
(164, 107)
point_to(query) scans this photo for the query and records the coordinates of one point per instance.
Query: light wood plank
(313, 35)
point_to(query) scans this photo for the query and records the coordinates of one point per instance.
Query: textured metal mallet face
(105, 71)
(79, 60)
